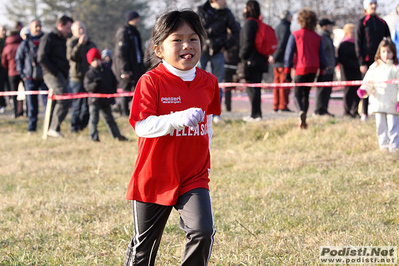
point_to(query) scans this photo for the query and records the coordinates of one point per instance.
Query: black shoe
(330, 114)
(122, 138)
(286, 110)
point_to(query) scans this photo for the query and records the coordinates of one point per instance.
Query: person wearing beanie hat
(283, 32)
(370, 30)
(106, 57)
(366, 3)
(131, 15)
(128, 63)
(100, 79)
(93, 53)
(24, 32)
(285, 14)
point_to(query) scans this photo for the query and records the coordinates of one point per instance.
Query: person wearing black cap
(128, 61)
(323, 93)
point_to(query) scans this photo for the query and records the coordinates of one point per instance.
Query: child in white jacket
(384, 96)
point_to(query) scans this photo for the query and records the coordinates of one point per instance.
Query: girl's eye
(194, 39)
(177, 40)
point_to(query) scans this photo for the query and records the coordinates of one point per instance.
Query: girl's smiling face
(181, 49)
(385, 53)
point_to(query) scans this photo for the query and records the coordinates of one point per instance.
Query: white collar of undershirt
(185, 75)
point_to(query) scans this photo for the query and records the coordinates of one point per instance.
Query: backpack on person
(265, 39)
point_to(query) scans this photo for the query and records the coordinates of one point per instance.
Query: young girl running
(172, 113)
(384, 97)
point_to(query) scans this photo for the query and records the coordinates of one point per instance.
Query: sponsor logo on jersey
(172, 100)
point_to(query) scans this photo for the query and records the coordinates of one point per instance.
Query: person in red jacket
(171, 113)
(8, 61)
(305, 46)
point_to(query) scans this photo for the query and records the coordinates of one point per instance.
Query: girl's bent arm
(158, 126)
(154, 126)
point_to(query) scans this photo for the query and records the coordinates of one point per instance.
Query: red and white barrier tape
(226, 85)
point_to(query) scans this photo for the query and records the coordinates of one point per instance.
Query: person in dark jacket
(254, 63)
(77, 47)
(216, 19)
(323, 94)
(371, 29)
(350, 70)
(8, 62)
(307, 47)
(128, 59)
(52, 57)
(231, 60)
(26, 59)
(3, 71)
(283, 32)
(100, 79)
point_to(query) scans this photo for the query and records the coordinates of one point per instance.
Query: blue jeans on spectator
(217, 66)
(80, 108)
(33, 101)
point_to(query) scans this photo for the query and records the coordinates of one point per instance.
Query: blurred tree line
(103, 17)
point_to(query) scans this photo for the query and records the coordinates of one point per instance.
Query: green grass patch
(279, 193)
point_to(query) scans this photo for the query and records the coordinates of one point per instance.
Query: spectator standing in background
(350, 70)
(231, 60)
(77, 47)
(371, 29)
(254, 63)
(396, 33)
(100, 79)
(8, 62)
(323, 93)
(216, 18)
(3, 71)
(128, 60)
(52, 57)
(307, 46)
(26, 60)
(283, 32)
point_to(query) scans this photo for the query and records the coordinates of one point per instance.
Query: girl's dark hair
(253, 9)
(386, 42)
(169, 22)
(307, 19)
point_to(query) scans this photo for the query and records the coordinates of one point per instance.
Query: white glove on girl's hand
(187, 118)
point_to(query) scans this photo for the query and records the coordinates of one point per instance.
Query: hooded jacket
(9, 52)
(23, 58)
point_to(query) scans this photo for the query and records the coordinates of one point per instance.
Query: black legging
(302, 93)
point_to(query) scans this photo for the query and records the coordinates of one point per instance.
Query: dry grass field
(278, 194)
